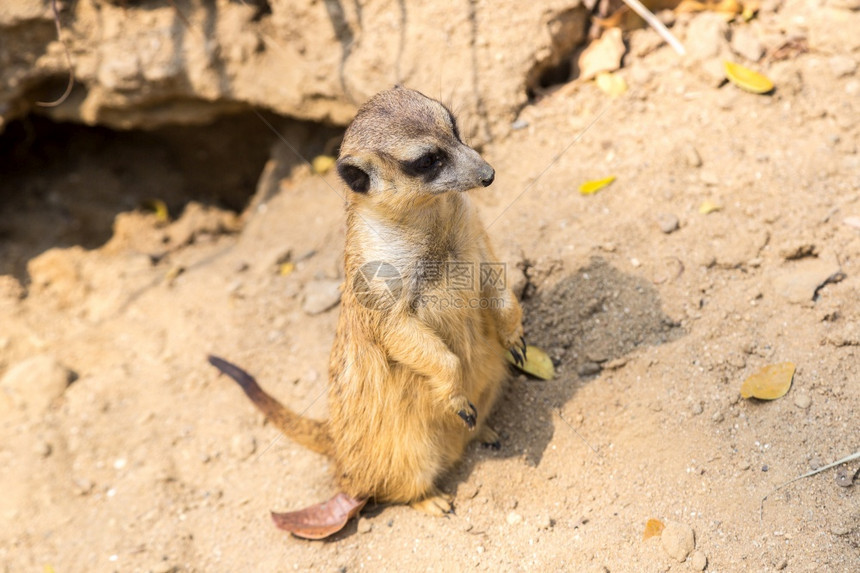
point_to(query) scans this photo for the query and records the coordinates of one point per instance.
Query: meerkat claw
(518, 358)
(470, 418)
(525, 346)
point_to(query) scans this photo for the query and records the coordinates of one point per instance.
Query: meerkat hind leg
(436, 504)
(489, 438)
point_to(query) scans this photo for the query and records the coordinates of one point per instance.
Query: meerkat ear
(354, 173)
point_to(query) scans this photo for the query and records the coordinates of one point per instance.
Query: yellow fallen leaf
(709, 206)
(537, 363)
(769, 383)
(285, 269)
(172, 274)
(747, 79)
(158, 207)
(590, 187)
(653, 528)
(322, 164)
(610, 83)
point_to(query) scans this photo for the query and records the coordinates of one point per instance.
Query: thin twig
(71, 82)
(652, 20)
(852, 457)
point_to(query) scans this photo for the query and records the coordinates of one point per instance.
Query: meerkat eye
(427, 162)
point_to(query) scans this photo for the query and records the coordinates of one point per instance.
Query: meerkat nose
(487, 180)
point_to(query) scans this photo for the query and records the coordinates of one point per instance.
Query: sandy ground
(149, 461)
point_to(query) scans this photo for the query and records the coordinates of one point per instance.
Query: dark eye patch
(427, 166)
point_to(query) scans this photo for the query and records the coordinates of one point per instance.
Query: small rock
(83, 486)
(543, 521)
(678, 540)
(800, 282)
(514, 518)
(802, 401)
(44, 449)
(844, 478)
(697, 409)
(842, 66)
(519, 124)
(706, 36)
(321, 295)
(839, 530)
(364, 525)
(668, 222)
(691, 155)
(745, 43)
(698, 560)
(36, 382)
(588, 369)
(243, 446)
(710, 178)
(718, 417)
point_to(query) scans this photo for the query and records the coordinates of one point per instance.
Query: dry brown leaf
(769, 383)
(653, 528)
(320, 520)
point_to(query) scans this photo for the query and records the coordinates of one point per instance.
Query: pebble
(588, 369)
(697, 408)
(706, 36)
(83, 486)
(678, 540)
(802, 401)
(44, 449)
(668, 222)
(514, 518)
(844, 478)
(691, 155)
(321, 295)
(745, 43)
(839, 530)
(36, 382)
(243, 446)
(698, 560)
(543, 521)
(842, 66)
(718, 417)
(364, 525)
(801, 280)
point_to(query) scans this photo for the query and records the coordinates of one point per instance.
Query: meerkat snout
(488, 176)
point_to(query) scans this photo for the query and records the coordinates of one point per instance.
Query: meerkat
(419, 357)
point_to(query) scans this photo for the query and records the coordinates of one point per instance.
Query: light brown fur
(408, 364)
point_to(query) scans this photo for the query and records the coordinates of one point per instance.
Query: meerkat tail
(311, 434)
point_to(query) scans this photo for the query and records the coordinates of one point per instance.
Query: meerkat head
(403, 145)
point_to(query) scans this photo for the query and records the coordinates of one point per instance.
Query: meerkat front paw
(465, 410)
(515, 342)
